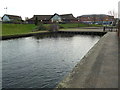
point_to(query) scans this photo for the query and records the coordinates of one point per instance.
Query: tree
(36, 21)
(112, 13)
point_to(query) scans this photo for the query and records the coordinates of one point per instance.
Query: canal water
(42, 61)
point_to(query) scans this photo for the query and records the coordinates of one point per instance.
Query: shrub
(53, 27)
(42, 27)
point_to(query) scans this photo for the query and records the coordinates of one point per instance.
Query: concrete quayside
(98, 68)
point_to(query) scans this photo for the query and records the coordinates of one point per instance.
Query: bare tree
(112, 13)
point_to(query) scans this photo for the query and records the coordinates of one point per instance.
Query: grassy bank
(17, 29)
(14, 29)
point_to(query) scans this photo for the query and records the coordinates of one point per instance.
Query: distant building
(68, 18)
(40, 18)
(11, 19)
(65, 18)
(56, 18)
(0, 19)
(96, 19)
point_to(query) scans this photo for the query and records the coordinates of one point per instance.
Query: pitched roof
(14, 17)
(48, 17)
(67, 16)
(42, 17)
(55, 14)
(91, 15)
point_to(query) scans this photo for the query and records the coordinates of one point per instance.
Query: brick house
(96, 19)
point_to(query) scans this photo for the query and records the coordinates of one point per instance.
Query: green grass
(15, 29)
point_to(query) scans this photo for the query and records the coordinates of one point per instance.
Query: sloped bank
(98, 68)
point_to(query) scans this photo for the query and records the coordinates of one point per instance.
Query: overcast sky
(119, 10)
(28, 8)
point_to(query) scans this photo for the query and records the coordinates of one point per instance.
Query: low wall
(22, 35)
(47, 32)
(83, 32)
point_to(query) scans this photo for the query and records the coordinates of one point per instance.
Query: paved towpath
(90, 29)
(99, 67)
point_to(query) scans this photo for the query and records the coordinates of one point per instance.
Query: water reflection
(52, 35)
(41, 61)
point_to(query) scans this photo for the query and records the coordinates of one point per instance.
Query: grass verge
(14, 29)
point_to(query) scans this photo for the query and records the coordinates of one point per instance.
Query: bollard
(103, 29)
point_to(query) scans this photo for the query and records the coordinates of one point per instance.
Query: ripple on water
(41, 62)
